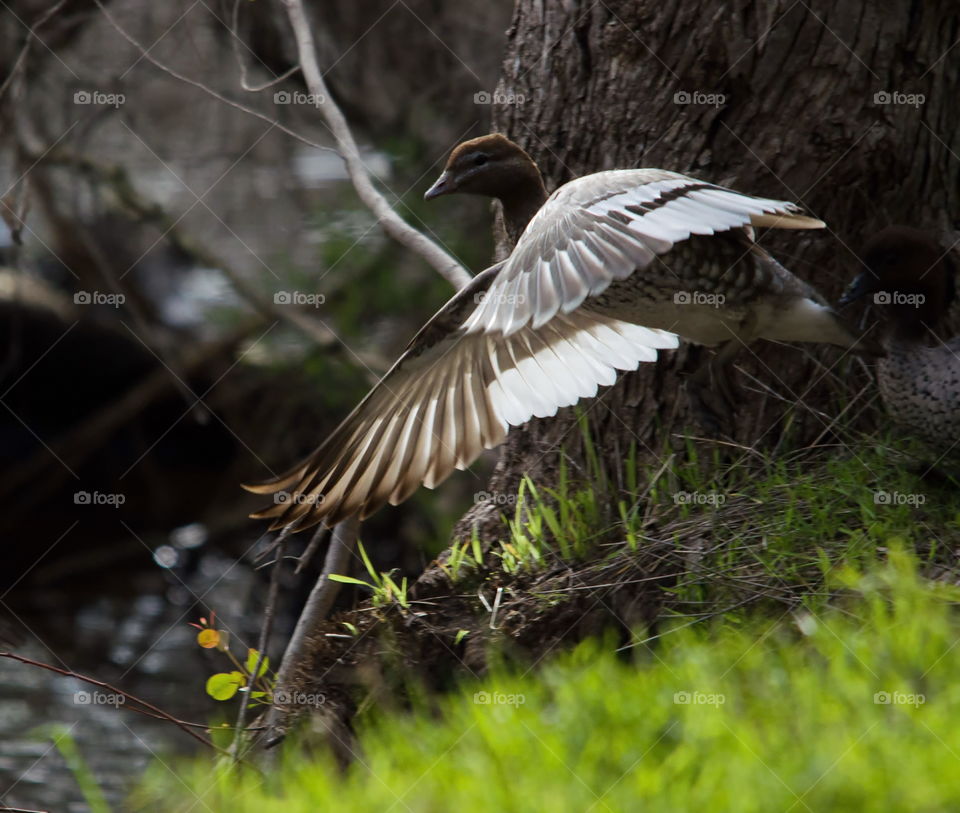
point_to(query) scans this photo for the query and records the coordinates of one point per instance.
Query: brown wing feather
(441, 405)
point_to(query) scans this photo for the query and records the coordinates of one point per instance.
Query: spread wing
(452, 394)
(605, 226)
(518, 342)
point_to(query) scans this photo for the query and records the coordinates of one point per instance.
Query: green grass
(781, 522)
(803, 598)
(756, 528)
(782, 714)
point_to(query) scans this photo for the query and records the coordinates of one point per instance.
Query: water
(136, 637)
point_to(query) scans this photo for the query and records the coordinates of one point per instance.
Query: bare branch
(147, 708)
(235, 43)
(266, 629)
(22, 56)
(318, 536)
(206, 89)
(150, 211)
(394, 225)
(342, 542)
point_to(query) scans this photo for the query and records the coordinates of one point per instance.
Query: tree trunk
(845, 108)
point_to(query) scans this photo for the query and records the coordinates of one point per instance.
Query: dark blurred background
(153, 353)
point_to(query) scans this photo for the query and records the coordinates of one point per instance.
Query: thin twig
(307, 555)
(154, 710)
(147, 332)
(21, 57)
(266, 628)
(206, 89)
(150, 211)
(235, 42)
(394, 225)
(342, 542)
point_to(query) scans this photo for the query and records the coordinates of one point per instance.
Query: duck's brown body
(711, 290)
(607, 271)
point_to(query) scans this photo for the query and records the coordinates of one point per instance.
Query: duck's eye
(480, 159)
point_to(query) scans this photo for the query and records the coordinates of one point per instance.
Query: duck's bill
(859, 288)
(443, 186)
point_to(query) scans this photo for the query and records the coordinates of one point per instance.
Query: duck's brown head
(908, 275)
(492, 165)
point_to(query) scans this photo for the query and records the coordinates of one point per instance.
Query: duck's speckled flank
(920, 386)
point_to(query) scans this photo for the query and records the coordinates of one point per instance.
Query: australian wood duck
(606, 271)
(908, 277)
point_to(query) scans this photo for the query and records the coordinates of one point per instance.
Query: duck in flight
(605, 272)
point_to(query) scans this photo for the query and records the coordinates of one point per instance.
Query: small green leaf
(224, 685)
(336, 577)
(477, 549)
(367, 563)
(461, 634)
(252, 656)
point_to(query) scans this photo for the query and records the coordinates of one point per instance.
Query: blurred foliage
(853, 708)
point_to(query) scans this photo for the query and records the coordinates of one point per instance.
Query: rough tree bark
(798, 120)
(781, 99)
